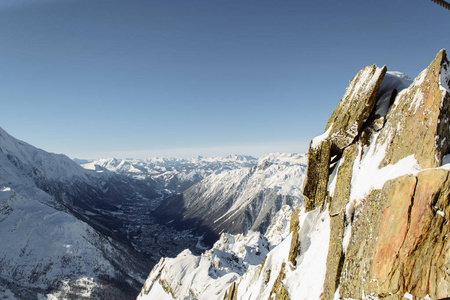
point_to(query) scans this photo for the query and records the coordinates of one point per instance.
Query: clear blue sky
(142, 78)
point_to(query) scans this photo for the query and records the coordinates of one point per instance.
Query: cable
(442, 3)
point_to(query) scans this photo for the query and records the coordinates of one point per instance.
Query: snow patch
(446, 161)
(417, 101)
(393, 81)
(368, 176)
(319, 139)
(309, 274)
(444, 77)
(408, 296)
(333, 177)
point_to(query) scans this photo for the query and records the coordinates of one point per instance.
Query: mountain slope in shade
(49, 244)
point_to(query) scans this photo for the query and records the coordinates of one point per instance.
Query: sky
(181, 78)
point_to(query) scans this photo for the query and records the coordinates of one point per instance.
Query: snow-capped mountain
(174, 174)
(56, 237)
(238, 200)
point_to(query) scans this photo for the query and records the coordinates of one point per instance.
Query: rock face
(343, 127)
(387, 231)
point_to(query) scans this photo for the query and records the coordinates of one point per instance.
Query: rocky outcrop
(343, 128)
(388, 232)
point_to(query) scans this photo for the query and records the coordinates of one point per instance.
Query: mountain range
(71, 231)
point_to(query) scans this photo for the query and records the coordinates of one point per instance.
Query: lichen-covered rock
(232, 292)
(317, 173)
(355, 277)
(355, 107)
(295, 248)
(338, 221)
(278, 291)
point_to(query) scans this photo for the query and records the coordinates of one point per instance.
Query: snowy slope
(49, 243)
(44, 249)
(20, 160)
(209, 275)
(249, 262)
(239, 200)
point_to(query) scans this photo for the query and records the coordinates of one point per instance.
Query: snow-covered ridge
(285, 158)
(34, 162)
(174, 175)
(158, 165)
(49, 244)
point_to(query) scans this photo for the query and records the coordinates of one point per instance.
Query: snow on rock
(320, 138)
(367, 175)
(393, 83)
(444, 78)
(258, 282)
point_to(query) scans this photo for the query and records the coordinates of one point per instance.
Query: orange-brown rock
(412, 252)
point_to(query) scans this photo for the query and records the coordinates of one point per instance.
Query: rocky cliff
(377, 201)
(387, 192)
